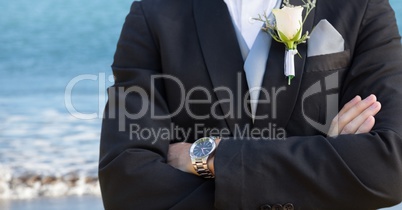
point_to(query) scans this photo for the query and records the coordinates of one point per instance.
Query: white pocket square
(325, 39)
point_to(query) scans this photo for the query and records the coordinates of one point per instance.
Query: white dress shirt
(243, 12)
(254, 44)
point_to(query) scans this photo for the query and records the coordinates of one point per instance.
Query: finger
(334, 130)
(350, 104)
(358, 121)
(355, 111)
(367, 125)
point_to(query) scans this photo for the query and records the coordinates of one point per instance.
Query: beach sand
(48, 203)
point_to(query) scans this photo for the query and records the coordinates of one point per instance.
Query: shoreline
(84, 202)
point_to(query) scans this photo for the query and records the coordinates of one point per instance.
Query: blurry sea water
(49, 47)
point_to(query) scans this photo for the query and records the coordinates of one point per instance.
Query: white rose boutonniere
(287, 29)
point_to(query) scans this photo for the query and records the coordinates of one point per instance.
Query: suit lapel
(223, 58)
(282, 96)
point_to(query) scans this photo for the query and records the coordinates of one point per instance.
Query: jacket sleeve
(133, 172)
(314, 172)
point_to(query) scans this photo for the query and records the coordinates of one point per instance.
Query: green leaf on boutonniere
(288, 28)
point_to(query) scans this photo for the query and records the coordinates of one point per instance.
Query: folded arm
(357, 116)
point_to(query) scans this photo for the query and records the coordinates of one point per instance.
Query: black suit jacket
(194, 42)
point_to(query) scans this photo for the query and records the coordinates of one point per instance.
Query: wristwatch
(200, 151)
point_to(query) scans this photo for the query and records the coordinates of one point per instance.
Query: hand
(357, 116)
(179, 157)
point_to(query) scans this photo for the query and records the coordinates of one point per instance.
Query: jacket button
(277, 207)
(288, 206)
(265, 207)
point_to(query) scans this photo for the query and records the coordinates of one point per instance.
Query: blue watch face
(203, 148)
